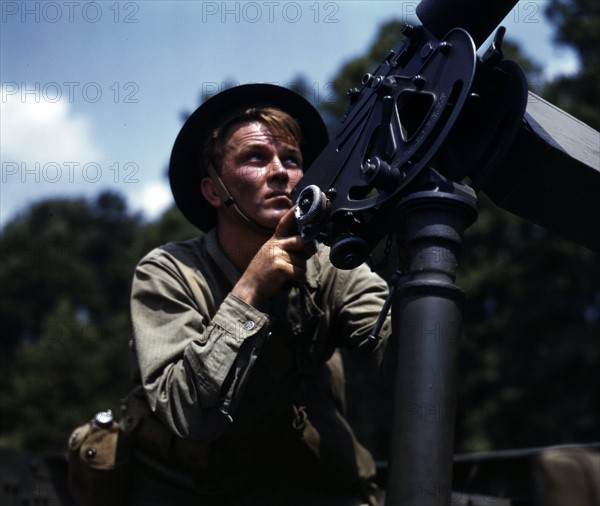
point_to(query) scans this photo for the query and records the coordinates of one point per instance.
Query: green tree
(73, 369)
(578, 26)
(67, 248)
(66, 277)
(170, 226)
(530, 348)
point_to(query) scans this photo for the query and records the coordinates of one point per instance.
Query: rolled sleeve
(190, 346)
(234, 324)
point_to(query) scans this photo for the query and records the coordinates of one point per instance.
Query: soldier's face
(260, 169)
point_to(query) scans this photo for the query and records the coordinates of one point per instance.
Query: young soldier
(241, 394)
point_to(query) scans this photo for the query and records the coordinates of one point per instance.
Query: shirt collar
(217, 254)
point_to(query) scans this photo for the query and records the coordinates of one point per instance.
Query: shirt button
(248, 325)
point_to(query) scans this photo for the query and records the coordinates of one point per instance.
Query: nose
(277, 170)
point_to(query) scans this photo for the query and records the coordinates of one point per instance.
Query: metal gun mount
(431, 104)
(432, 115)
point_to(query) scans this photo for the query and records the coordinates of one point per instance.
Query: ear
(207, 187)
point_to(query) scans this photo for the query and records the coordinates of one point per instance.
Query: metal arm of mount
(433, 103)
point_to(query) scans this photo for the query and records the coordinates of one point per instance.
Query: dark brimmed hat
(185, 165)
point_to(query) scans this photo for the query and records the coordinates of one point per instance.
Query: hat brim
(184, 167)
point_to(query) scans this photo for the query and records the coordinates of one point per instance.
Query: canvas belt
(152, 437)
(157, 441)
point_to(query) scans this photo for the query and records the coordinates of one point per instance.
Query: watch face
(104, 418)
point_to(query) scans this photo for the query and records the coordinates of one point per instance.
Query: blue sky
(93, 92)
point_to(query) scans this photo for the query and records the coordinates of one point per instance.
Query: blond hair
(280, 124)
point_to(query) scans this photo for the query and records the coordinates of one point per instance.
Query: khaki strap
(230, 202)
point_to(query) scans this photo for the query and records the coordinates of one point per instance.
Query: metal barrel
(479, 18)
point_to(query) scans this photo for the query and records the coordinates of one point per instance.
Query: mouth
(280, 200)
(278, 195)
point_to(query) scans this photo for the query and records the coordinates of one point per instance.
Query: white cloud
(46, 150)
(152, 200)
(36, 130)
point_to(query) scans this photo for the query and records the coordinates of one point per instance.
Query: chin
(273, 219)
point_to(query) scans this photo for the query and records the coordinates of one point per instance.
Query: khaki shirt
(215, 368)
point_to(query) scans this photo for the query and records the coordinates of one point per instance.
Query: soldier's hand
(279, 262)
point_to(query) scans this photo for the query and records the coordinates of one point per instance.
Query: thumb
(287, 226)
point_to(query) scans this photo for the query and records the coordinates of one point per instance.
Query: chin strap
(230, 203)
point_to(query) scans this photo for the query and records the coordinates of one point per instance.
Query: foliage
(578, 23)
(59, 380)
(65, 275)
(530, 347)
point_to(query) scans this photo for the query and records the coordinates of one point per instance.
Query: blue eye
(255, 157)
(293, 161)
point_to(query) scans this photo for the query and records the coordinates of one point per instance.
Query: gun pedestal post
(427, 325)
